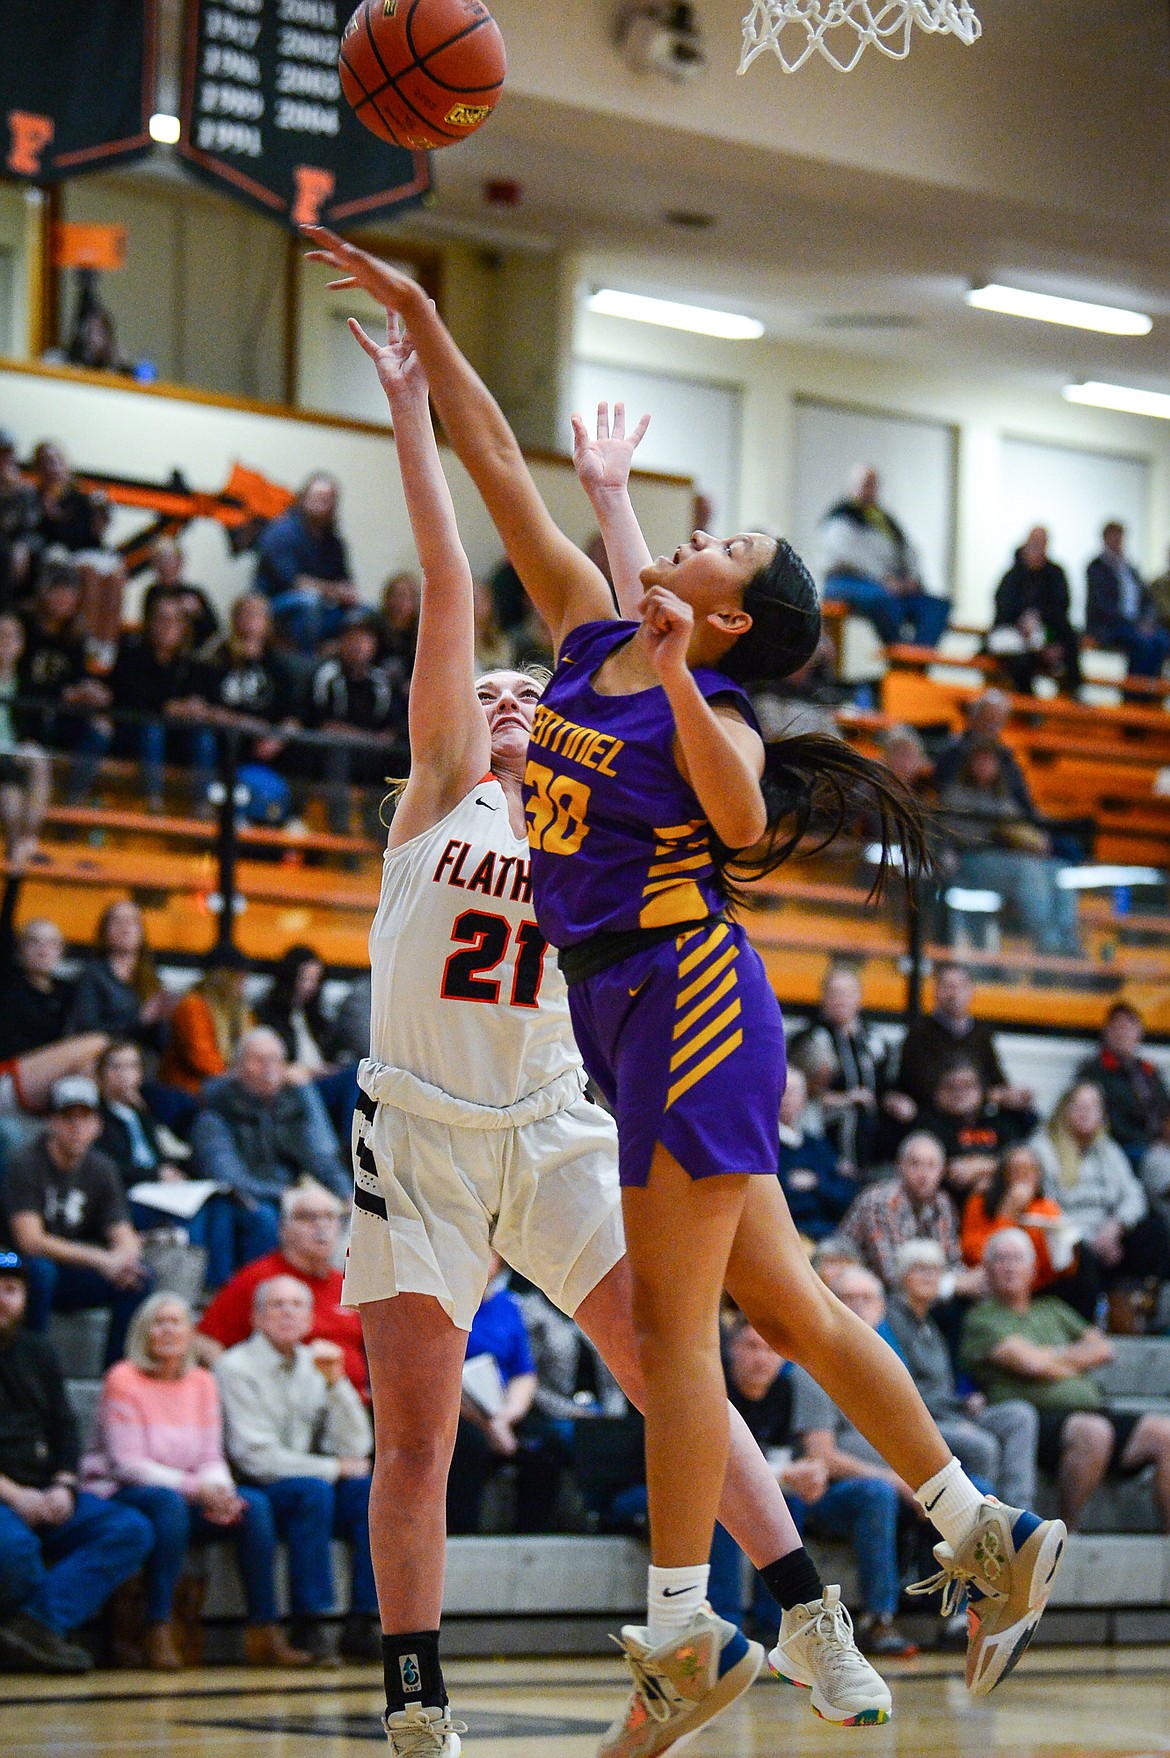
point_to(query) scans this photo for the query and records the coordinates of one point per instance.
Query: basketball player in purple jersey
(644, 784)
(473, 1135)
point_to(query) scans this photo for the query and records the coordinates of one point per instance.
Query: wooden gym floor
(1063, 1703)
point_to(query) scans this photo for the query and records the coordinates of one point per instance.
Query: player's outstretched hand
(399, 370)
(669, 624)
(357, 268)
(603, 463)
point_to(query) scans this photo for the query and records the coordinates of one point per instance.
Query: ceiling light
(165, 129)
(731, 325)
(1121, 397)
(1111, 320)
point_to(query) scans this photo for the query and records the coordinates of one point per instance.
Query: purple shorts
(686, 1042)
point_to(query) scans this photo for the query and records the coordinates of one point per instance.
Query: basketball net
(841, 30)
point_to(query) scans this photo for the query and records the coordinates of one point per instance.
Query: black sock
(793, 1580)
(413, 1673)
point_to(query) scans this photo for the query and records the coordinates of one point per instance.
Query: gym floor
(1062, 1703)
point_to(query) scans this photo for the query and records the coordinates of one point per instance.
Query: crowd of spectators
(303, 653)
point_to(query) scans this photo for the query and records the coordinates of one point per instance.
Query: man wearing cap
(66, 1214)
(62, 1550)
(362, 704)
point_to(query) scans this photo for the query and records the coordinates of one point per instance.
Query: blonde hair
(540, 674)
(138, 1334)
(230, 1015)
(1069, 1152)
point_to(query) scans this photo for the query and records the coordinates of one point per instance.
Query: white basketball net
(841, 30)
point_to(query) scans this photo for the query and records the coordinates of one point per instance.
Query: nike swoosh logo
(486, 803)
(927, 1506)
(674, 1592)
(634, 992)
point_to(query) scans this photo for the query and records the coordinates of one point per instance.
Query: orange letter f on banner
(30, 135)
(314, 187)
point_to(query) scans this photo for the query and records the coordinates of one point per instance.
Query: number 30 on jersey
(555, 811)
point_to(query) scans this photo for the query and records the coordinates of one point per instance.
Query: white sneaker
(423, 1733)
(680, 1686)
(815, 1649)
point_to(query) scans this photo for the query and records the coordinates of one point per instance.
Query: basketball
(422, 73)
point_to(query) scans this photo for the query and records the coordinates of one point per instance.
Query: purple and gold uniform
(683, 1035)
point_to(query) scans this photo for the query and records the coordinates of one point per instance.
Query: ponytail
(816, 786)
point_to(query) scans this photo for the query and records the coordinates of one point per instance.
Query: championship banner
(76, 85)
(264, 117)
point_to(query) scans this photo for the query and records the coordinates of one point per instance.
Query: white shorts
(434, 1195)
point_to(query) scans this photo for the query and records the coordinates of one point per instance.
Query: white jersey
(466, 990)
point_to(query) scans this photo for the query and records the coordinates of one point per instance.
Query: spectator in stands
(913, 1205)
(1065, 1265)
(1018, 1346)
(297, 1430)
(302, 565)
(904, 752)
(66, 515)
(846, 1070)
(759, 1385)
(258, 1132)
(120, 991)
(498, 1423)
(973, 1130)
(1032, 634)
(1119, 610)
(24, 767)
(1087, 1173)
(573, 1383)
(131, 1136)
(950, 1030)
(18, 522)
(248, 679)
(170, 567)
(207, 1026)
(293, 1010)
(1155, 1170)
(54, 668)
(996, 1443)
(1137, 1102)
(63, 1551)
(35, 1002)
(363, 706)
(310, 1232)
(158, 1448)
(397, 623)
(862, 1502)
(156, 674)
(1160, 596)
(831, 1256)
(66, 1214)
(493, 647)
(818, 1194)
(869, 564)
(862, 1292)
(996, 849)
(987, 716)
(351, 1022)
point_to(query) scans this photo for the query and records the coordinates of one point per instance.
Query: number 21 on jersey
(467, 974)
(556, 810)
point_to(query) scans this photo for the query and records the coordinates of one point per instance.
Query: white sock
(951, 1501)
(674, 1595)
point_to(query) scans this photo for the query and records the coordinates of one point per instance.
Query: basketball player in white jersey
(474, 1134)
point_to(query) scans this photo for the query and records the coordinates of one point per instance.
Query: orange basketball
(422, 73)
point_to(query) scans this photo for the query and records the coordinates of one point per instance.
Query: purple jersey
(618, 838)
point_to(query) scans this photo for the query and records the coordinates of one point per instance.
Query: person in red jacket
(310, 1224)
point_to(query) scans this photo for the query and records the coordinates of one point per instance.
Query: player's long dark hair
(814, 786)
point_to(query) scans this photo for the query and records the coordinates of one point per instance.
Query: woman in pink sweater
(158, 1445)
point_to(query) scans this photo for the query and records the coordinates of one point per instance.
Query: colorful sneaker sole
(863, 1718)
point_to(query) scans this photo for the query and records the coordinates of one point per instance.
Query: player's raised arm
(449, 743)
(562, 582)
(603, 470)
